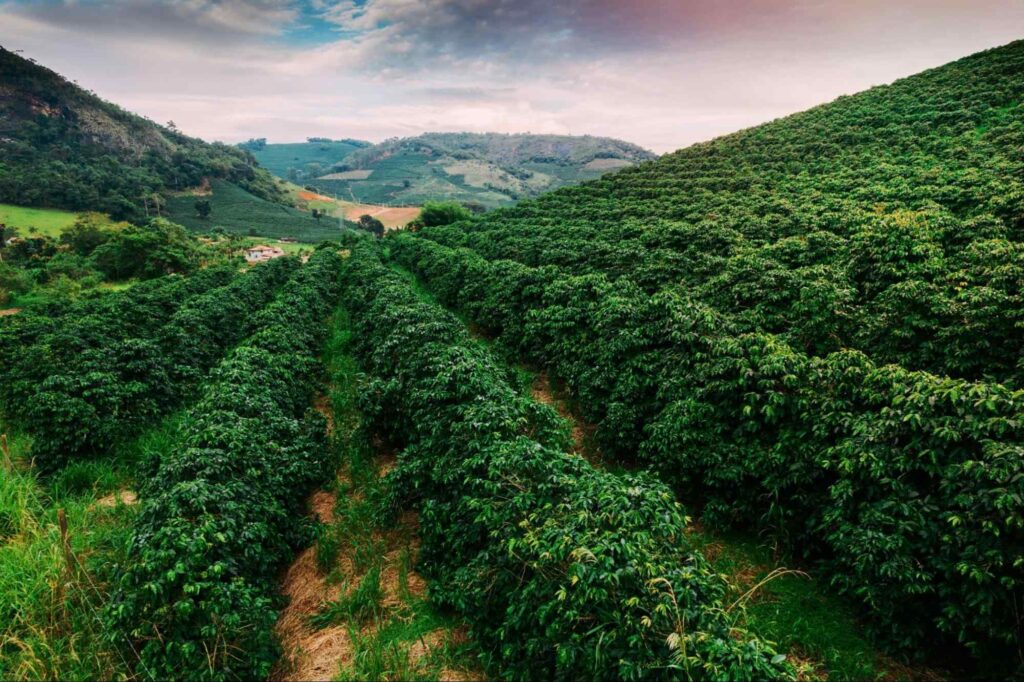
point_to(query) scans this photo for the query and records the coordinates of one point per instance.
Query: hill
(299, 160)
(487, 169)
(64, 147)
(234, 210)
(811, 329)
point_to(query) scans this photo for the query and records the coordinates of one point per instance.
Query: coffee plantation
(578, 414)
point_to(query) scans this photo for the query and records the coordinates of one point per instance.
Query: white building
(261, 253)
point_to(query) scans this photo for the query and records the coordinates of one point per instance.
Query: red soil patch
(306, 195)
(9, 311)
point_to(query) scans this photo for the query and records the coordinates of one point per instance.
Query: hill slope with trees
(812, 329)
(64, 147)
(485, 169)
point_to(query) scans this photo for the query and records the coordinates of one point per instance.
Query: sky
(661, 73)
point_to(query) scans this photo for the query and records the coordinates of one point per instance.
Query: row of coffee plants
(36, 343)
(565, 571)
(906, 488)
(113, 383)
(890, 222)
(222, 513)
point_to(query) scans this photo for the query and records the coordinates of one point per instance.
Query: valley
(483, 170)
(515, 406)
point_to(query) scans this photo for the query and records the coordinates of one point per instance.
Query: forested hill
(487, 169)
(63, 147)
(813, 329)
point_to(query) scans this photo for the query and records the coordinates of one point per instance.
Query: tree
(317, 214)
(145, 251)
(89, 232)
(203, 208)
(371, 225)
(442, 213)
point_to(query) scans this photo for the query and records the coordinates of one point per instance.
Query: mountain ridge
(486, 169)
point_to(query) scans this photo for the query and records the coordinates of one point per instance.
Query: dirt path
(583, 433)
(356, 587)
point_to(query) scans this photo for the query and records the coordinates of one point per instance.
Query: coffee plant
(87, 384)
(225, 509)
(564, 571)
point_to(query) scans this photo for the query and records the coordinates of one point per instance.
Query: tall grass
(50, 600)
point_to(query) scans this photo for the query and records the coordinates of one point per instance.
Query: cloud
(661, 73)
(420, 34)
(191, 20)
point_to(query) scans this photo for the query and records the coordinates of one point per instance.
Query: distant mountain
(64, 147)
(487, 169)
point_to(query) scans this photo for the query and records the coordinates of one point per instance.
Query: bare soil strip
(321, 646)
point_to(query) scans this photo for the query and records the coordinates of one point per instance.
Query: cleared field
(392, 216)
(348, 175)
(45, 221)
(607, 164)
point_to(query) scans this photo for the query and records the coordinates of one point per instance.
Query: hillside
(297, 160)
(234, 210)
(811, 329)
(489, 169)
(64, 147)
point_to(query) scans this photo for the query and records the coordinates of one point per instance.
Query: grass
(42, 221)
(394, 631)
(51, 602)
(416, 644)
(817, 630)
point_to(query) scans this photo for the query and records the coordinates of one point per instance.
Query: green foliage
(13, 280)
(203, 208)
(565, 571)
(235, 211)
(86, 234)
(145, 251)
(436, 213)
(811, 329)
(81, 379)
(279, 159)
(371, 225)
(64, 147)
(225, 508)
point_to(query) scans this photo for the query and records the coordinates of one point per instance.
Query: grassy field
(44, 221)
(236, 211)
